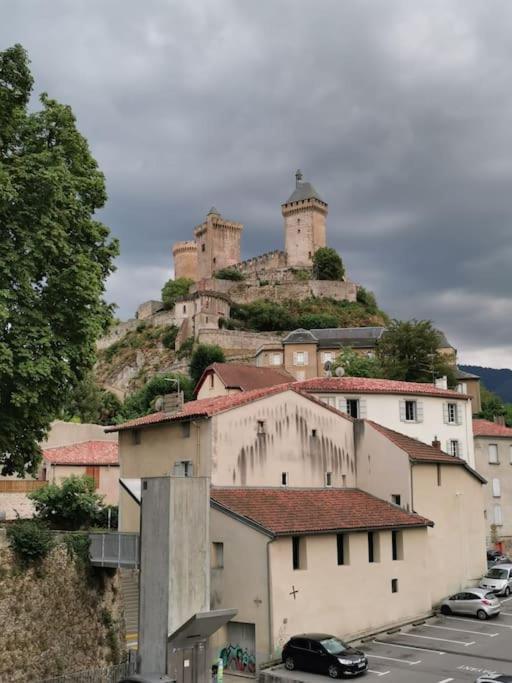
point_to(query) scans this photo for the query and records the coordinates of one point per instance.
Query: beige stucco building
(403, 514)
(493, 457)
(222, 379)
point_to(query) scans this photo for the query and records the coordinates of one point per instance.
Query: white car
(492, 678)
(498, 579)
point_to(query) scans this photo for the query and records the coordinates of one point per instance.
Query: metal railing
(114, 549)
(109, 674)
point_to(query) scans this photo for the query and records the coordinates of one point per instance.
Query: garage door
(239, 652)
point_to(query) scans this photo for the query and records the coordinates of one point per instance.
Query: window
(183, 468)
(496, 488)
(397, 545)
(136, 437)
(261, 426)
(396, 498)
(462, 388)
(299, 552)
(217, 556)
(342, 549)
(212, 380)
(373, 547)
(203, 247)
(327, 356)
(313, 433)
(206, 319)
(284, 478)
(214, 259)
(451, 413)
(184, 309)
(410, 411)
(394, 585)
(493, 453)
(453, 447)
(185, 429)
(438, 474)
(331, 401)
(497, 515)
(353, 407)
(328, 478)
(300, 358)
(276, 359)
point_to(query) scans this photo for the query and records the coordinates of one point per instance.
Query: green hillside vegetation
(265, 316)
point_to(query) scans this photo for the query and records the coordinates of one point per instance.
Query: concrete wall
(383, 469)
(243, 581)
(456, 544)
(161, 446)
(385, 409)
(242, 457)
(348, 600)
(500, 471)
(67, 433)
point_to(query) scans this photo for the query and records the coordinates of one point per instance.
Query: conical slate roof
(303, 191)
(214, 211)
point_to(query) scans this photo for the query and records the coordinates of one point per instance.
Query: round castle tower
(184, 255)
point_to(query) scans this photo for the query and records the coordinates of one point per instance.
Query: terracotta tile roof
(282, 511)
(367, 385)
(420, 452)
(245, 377)
(208, 407)
(84, 453)
(488, 428)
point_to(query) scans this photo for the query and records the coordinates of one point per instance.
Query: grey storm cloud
(399, 112)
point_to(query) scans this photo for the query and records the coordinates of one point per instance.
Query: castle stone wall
(244, 293)
(148, 308)
(185, 260)
(236, 340)
(271, 260)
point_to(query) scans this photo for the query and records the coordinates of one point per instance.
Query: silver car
(494, 678)
(498, 579)
(478, 602)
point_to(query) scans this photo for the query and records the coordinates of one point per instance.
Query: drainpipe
(269, 601)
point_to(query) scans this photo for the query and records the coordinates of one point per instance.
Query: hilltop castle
(217, 241)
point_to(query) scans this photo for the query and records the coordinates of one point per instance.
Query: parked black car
(322, 653)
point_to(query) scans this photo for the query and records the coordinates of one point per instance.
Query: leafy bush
(30, 540)
(229, 274)
(203, 356)
(175, 289)
(265, 315)
(367, 298)
(169, 337)
(102, 519)
(301, 275)
(73, 505)
(78, 547)
(142, 401)
(327, 264)
(357, 365)
(311, 321)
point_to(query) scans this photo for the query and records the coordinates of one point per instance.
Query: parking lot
(442, 650)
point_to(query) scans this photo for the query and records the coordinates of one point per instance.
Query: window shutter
(306, 357)
(295, 356)
(459, 449)
(496, 489)
(458, 414)
(497, 514)
(362, 408)
(445, 413)
(342, 404)
(448, 448)
(402, 411)
(419, 411)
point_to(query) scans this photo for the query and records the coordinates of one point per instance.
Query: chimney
(499, 420)
(441, 382)
(436, 443)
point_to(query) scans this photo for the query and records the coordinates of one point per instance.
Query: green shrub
(174, 290)
(229, 274)
(141, 327)
(142, 401)
(30, 540)
(311, 321)
(327, 264)
(203, 356)
(102, 519)
(169, 337)
(72, 505)
(185, 349)
(264, 283)
(301, 275)
(367, 298)
(78, 546)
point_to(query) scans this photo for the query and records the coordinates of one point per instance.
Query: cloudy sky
(399, 112)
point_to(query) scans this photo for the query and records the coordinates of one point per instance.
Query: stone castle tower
(304, 214)
(217, 243)
(185, 260)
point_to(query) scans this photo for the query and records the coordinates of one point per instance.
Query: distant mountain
(498, 381)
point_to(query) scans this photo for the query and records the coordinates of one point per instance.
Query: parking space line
(507, 614)
(381, 673)
(409, 647)
(447, 680)
(505, 599)
(482, 623)
(445, 640)
(394, 659)
(461, 630)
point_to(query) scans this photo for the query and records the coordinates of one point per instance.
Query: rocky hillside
(56, 618)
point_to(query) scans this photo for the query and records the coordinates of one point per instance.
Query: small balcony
(114, 549)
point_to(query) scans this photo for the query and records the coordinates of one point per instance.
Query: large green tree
(54, 260)
(357, 365)
(174, 289)
(142, 402)
(203, 356)
(409, 350)
(327, 264)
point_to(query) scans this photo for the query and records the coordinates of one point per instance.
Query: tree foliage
(30, 540)
(229, 274)
(142, 402)
(327, 264)
(54, 260)
(73, 505)
(175, 289)
(203, 356)
(493, 406)
(409, 351)
(88, 403)
(357, 365)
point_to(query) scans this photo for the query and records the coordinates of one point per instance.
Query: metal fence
(109, 674)
(115, 549)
